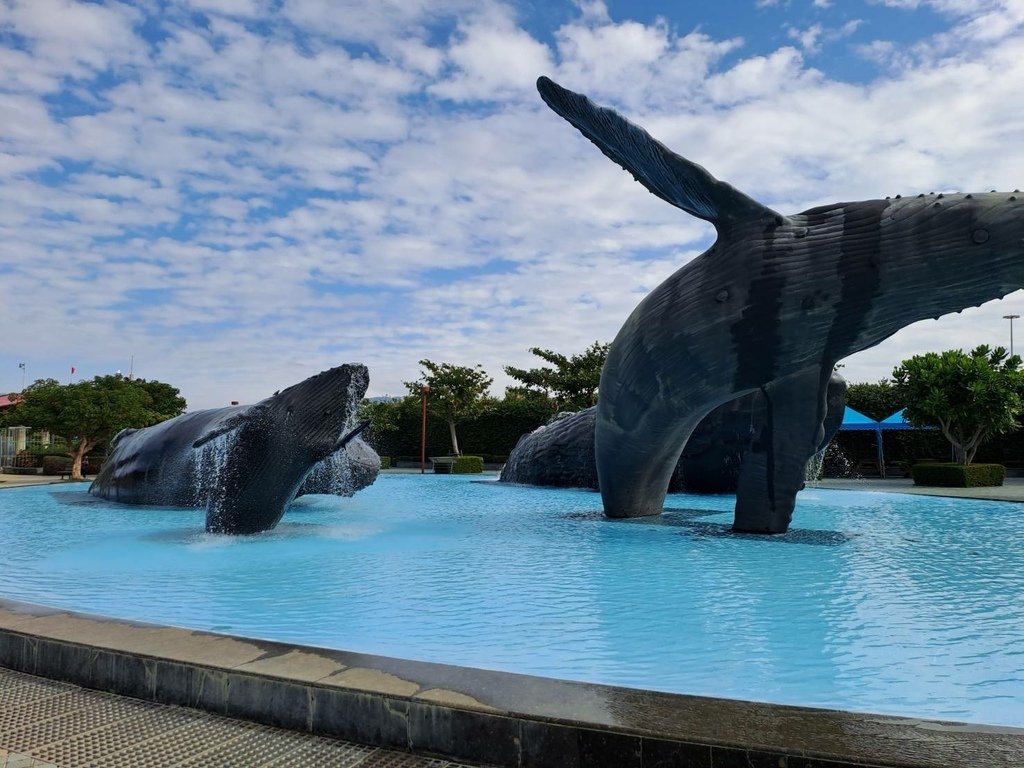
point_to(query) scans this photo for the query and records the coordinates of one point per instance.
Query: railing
(22, 446)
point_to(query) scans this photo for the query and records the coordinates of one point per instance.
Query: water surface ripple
(873, 602)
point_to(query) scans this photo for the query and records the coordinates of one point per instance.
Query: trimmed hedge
(948, 475)
(468, 465)
(55, 465)
(385, 462)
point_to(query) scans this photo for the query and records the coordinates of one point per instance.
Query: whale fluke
(674, 179)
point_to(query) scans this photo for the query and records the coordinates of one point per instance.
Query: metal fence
(21, 446)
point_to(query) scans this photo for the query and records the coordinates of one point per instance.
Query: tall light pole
(1011, 318)
(424, 391)
(22, 366)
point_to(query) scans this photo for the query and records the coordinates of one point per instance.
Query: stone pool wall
(470, 714)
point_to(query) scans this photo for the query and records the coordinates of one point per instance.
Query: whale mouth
(319, 410)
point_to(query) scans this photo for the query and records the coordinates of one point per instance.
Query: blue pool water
(874, 602)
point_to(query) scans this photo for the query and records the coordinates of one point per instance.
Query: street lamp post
(424, 391)
(22, 366)
(1011, 318)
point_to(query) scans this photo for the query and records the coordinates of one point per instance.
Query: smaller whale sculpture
(245, 464)
(344, 472)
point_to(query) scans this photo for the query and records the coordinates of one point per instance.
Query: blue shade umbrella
(856, 421)
(899, 421)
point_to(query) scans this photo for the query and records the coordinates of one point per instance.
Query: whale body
(245, 464)
(773, 305)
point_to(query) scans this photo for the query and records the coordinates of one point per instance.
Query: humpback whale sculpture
(245, 464)
(772, 306)
(561, 453)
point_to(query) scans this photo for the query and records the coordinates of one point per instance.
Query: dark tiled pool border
(471, 714)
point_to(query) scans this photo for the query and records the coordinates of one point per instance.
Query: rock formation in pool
(246, 464)
(562, 453)
(773, 305)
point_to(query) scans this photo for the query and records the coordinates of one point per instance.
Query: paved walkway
(13, 481)
(1012, 488)
(47, 724)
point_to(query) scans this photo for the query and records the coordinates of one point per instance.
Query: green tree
(87, 413)
(167, 401)
(970, 396)
(573, 380)
(383, 415)
(456, 393)
(879, 401)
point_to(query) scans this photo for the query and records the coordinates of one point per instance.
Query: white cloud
(240, 205)
(812, 37)
(492, 59)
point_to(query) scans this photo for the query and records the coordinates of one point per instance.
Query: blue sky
(236, 194)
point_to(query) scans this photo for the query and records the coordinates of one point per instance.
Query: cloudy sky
(236, 194)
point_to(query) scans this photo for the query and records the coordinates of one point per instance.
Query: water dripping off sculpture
(245, 464)
(767, 312)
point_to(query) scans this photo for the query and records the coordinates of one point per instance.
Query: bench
(443, 464)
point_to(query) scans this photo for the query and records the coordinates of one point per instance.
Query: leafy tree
(573, 381)
(383, 415)
(456, 393)
(167, 401)
(970, 396)
(87, 413)
(879, 401)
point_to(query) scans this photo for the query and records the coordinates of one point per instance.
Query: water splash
(831, 462)
(210, 461)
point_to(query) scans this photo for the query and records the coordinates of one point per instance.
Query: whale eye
(722, 295)
(980, 236)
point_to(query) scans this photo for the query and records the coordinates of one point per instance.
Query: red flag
(72, 370)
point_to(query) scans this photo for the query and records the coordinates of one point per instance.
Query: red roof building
(8, 401)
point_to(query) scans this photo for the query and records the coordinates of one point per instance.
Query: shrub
(55, 465)
(468, 465)
(25, 458)
(958, 475)
(385, 462)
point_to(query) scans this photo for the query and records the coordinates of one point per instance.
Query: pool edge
(471, 714)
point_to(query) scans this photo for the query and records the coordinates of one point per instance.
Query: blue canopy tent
(857, 421)
(899, 421)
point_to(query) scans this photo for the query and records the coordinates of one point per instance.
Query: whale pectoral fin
(674, 179)
(346, 439)
(228, 425)
(121, 436)
(773, 469)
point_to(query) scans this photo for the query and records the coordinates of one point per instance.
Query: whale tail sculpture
(245, 464)
(771, 306)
